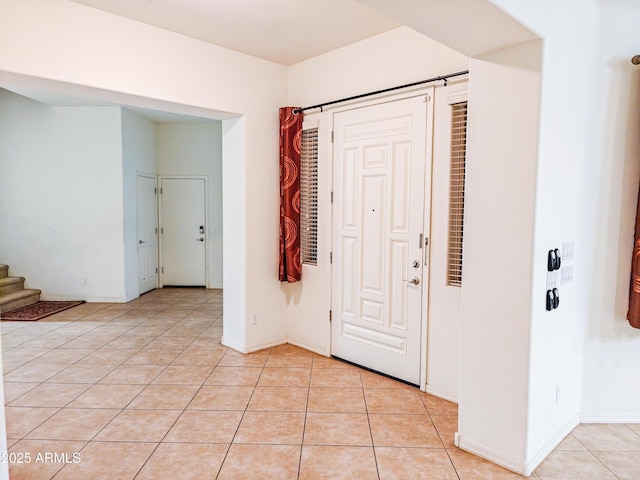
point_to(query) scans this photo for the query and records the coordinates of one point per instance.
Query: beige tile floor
(145, 390)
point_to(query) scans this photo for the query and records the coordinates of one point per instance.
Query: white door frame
(426, 277)
(161, 222)
(154, 177)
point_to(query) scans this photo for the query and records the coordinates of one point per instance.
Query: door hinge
(160, 190)
(330, 316)
(420, 241)
(331, 136)
(331, 258)
(156, 231)
(426, 241)
(155, 190)
(156, 270)
(161, 230)
(427, 98)
(162, 269)
(331, 197)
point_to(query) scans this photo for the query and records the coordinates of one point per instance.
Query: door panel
(183, 231)
(446, 300)
(379, 185)
(147, 227)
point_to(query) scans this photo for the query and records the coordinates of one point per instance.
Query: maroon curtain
(290, 140)
(633, 315)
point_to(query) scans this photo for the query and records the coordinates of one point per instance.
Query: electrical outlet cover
(552, 280)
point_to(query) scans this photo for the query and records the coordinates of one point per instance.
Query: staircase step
(11, 284)
(4, 271)
(21, 298)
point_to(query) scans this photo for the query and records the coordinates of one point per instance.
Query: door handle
(415, 280)
(201, 239)
(140, 242)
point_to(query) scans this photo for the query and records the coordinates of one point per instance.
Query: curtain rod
(385, 90)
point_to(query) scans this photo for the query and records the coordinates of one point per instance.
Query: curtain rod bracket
(636, 60)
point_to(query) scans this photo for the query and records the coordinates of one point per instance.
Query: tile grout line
(165, 434)
(446, 450)
(366, 406)
(304, 424)
(96, 383)
(243, 413)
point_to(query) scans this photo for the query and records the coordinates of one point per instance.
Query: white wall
(611, 379)
(101, 53)
(398, 56)
(4, 468)
(547, 373)
(382, 61)
(187, 148)
(138, 156)
(587, 185)
(62, 198)
(497, 269)
(565, 151)
(583, 176)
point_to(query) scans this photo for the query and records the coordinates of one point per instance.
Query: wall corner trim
(313, 348)
(235, 346)
(442, 393)
(262, 346)
(533, 463)
(470, 446)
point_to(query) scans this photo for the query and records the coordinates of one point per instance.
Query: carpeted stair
(12, 292)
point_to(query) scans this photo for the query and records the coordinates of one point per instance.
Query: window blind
(309, 197)
(456, 192)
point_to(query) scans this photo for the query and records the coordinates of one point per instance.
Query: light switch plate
(568, 251)
(552, 280)
(566, 275)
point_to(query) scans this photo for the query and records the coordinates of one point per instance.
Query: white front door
(380, 163)
(183, 231)
(147, 227)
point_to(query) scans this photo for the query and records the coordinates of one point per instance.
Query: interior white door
(147, 227)
(379, 193)
(183, 231)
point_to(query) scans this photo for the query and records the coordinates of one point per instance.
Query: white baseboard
(105, 300)
(73, 298)
(470, 446)
(441, 393)
(235, 346)
(610, 417)
(133, 296)
(312, 348)
(533, 463)
(245, 349)
(274, 343)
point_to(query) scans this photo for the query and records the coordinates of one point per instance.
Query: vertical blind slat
(309, 197)
(456, 192)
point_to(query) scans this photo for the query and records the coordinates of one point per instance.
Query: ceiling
(281, 31)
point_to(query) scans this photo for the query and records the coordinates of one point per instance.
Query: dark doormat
(37, 311)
